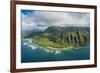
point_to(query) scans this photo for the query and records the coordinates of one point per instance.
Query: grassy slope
(73, 40)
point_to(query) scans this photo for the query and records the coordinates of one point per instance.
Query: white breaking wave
(33, 47)
(25, 44)
(57, 52)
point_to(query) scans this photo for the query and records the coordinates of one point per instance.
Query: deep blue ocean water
(31, 53)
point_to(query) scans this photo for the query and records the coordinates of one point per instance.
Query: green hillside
(61, 37)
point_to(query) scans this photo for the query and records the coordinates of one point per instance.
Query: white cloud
(43, 19)
(64, 18)
(27, 22)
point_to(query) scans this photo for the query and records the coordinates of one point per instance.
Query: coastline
(52, 49)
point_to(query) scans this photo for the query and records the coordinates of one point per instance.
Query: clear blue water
(35, 54)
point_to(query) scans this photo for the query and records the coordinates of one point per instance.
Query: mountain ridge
(61, 37)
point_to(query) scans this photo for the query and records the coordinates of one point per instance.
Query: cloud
(27, 22)
(43, 19)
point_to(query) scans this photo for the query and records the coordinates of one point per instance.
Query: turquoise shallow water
(31, 53)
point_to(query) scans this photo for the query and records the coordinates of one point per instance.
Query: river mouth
(35, 53)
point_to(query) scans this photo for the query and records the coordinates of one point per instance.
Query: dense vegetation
(62, 37)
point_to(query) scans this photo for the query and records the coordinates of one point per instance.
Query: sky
(40, 20)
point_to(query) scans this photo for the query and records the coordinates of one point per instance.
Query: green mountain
(63, 37)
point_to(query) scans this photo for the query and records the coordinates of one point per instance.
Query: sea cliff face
(61, 37)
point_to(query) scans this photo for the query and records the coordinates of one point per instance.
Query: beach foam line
(33, 47)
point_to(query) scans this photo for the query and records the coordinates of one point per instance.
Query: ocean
(31, 53)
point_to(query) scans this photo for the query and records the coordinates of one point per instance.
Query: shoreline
(52, 49)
